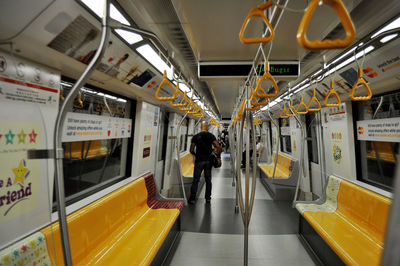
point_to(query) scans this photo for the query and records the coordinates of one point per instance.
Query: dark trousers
(199, 166)
(244, 157)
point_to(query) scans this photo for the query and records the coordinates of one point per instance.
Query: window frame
(357, 146)
(128, 158)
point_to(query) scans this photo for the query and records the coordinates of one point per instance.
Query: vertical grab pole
(301, 160)
(278, 133)
(177, 144)
(58, 150)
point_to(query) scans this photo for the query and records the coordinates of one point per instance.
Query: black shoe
(191, 202)
(208, 201)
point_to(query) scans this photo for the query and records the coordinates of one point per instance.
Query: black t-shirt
(203, 142)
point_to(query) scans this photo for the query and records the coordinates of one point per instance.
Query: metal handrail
(177, 144)
(277, 144)
(301, 161)
(58, 150)
(246, 208)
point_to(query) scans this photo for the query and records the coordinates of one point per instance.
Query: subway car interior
(212, 132)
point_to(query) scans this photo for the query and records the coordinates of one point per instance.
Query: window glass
(92, 164)
(377, 159)
(284, 126)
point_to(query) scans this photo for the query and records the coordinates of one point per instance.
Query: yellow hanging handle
(291, 108)
(344, 17)
(259, 90)
(254, 101)
(284, 113)
(250, 100)
(361, 81)
(257, 12)
(165, 81)
(182, 103)
(189, 105)
(334, 93)
(200, 114)
(79, 102)
(301, 104)
(313, 99)
(195, 110)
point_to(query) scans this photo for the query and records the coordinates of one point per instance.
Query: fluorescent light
(110, 97)
(147, 52)
(388, 38)
(115, 14)
(66, 84)
(95, 5)
(98, 6)
(128, 36)
(121, 100)
(89, 91)
(184, 88)
(394, 24)
(351, 59)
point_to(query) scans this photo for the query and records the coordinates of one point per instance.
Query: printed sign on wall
(19, 176)
(285, 131)
(29, 96)
(337, 148)
(387, 129)
(20, 82)
(80, 127)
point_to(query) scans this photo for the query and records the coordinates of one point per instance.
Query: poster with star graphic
(29, 96)
(19, 176)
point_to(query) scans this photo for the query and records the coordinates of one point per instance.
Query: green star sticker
(21, 137)
(10, 136)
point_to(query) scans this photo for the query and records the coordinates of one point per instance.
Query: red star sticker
(32, 136)
(23, 248)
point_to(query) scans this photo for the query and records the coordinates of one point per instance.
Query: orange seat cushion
(128, 221)
(283, 167)
(187, 164)
(355, 231)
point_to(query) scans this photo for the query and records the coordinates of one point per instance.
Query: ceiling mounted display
(282, 70)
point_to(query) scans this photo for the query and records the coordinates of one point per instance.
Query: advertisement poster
(29, 98)
(387, 129)
(285, 131)
(19, 176)
(146, 145)
(81, 127)
(337, 148)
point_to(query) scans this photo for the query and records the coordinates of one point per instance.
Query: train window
(284, 126)
(92, 165)
(311, 124)
(377, 158)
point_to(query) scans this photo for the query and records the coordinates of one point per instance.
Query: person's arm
(192, 146)
(218, 147)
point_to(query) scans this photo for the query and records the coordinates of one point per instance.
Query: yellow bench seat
(283, 167)
(126, 227)
(352, 221)
(187, 164)
(269, 170)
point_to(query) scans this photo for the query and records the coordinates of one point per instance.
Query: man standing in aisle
(201, 147)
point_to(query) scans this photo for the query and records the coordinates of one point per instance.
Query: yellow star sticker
(19, 173)
(21, 136)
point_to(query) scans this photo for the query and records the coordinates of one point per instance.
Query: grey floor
(213, 233)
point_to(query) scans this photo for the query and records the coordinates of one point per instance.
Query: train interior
(100, 100)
